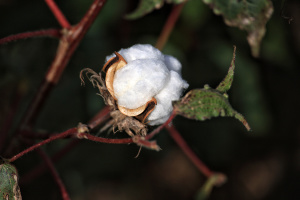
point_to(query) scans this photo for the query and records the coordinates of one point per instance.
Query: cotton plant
(139, 84)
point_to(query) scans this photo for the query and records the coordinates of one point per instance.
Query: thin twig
(65, 134)
(58, 14)
(99, 118)
(158, 129)
(188, 151)
(56, 177)
(41, 33)
(12, 110)
(68, 43)
(40, 169)
(169, 25)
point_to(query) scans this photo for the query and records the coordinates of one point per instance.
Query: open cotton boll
(137, 82)
(148, 74)
(171, 92)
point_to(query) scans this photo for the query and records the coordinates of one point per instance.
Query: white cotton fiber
(148, 74)
(137, 82)
(171, 92)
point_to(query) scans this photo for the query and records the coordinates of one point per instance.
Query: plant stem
(48, 161)
(68, 43)
(99, 118)
(158, 129)
(169, 25)
(188, 151)
(45, 33)
(58, 14)
(38, 170)
(52, 138)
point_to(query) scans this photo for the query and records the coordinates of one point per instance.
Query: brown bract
(132, 121)
(110, 68)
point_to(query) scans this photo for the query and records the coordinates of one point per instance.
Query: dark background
(261, 165)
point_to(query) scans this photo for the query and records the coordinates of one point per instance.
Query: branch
(188, 151)
(40, 169)
(65, 134)
(64, 193)
(169, 25)
(41, 33)
(99, 118)
(68, 43)
(58, 14)
(158, 129)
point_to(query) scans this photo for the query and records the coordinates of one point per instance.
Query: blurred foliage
(261, 165)
(251, 16)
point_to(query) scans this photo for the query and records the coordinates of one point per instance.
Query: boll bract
(148, 74)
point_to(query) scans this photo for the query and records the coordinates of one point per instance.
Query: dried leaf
(251, 16)
(9, 182)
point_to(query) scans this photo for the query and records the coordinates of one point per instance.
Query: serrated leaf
(225, 85)
(9, 188)
(203, 104)
(145, 7)
(249, 15)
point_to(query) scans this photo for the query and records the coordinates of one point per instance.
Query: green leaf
(145, 7)
(203, 104)
(248, 15)
(9, 187)
(225, 85)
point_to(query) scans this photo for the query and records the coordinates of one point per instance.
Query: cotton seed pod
(144, 82)
(110, 68)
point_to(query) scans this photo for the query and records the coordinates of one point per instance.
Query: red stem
(99, 118)
(158, 129)
(38, 170)
(104, 140)
(68, 43)
(64, 193)
(188, 151)
(12, 110)
(52, 138)
(45, 33)
(58, 14)
(169, 25)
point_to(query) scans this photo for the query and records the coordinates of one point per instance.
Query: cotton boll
(147, 74)
(172, 63)
(137, 82)
(139, 51)
(171, 92)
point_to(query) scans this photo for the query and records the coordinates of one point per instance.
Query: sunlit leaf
(9, 187)
(251, 16)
